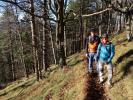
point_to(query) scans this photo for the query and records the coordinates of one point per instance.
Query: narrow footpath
(94, 90)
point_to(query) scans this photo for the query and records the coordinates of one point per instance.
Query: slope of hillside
(73, 83)
(123, 70)
(58, 84)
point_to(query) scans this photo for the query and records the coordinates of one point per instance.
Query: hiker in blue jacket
(105, 54)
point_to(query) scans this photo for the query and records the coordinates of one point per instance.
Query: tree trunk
(12, 57)
(101, 19)
(65, 41)
(53, 49)
(118, 23)
(45, 56)
(22, 56)
(81, 25)
(109, 21)
(21, 45)
(45, 35)
(85, 31)
(60, 33)
(34, 40)
(128, 28)
(75, 39)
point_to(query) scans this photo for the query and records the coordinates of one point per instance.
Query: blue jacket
(106, 52)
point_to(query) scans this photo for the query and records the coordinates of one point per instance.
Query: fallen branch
(10, 89)
(96, 13)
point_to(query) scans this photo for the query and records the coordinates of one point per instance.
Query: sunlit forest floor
(71, 83)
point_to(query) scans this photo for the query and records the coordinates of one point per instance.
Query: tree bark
(109, 21)
(12, 56)
(85, 32)
(21, 45)
(34, 40)
(128, 28)
(45, 35)
(65, 41)
(101, 19)
(53, 49)
(81, 25)
(60, 33)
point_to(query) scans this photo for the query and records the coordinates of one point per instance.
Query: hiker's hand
(96, 58)
(107, 62)
(86, 55)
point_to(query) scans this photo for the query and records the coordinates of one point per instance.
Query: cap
(92, 30)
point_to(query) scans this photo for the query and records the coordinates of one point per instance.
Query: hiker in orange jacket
(92, 42)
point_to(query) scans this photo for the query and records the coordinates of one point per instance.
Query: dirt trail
(94, 90)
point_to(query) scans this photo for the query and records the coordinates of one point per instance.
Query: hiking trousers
(109, 69)
(91, 59)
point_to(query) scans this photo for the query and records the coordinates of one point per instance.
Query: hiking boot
(101, 80)
(109, 84)
(89, 73)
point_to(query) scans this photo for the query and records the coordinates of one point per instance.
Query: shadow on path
(126, 71)
(94, 90)
(124, 56)
(126, 67)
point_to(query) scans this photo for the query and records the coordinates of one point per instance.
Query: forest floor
(74, 83)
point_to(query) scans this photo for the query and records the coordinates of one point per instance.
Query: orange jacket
(92, 47)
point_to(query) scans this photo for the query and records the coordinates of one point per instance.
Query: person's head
(104, 38)
(93, 32)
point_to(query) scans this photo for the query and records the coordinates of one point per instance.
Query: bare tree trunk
(75, 43)
(12, 56)
(53, 49)
(109, 21)
(118, 24)
(60, 33)
(43, 46)
(128, 28)
(22, 56)
(101, 19)
(40, 51)
(65, 41)
(81, 25)
(21, 45)
(34, 39)
(45, 56)
(85, 31)
(52, 43)
(45, 35)
(120, 21)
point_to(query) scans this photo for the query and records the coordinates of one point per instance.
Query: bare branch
(26, 10)
(120, 9)
(96, 13)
